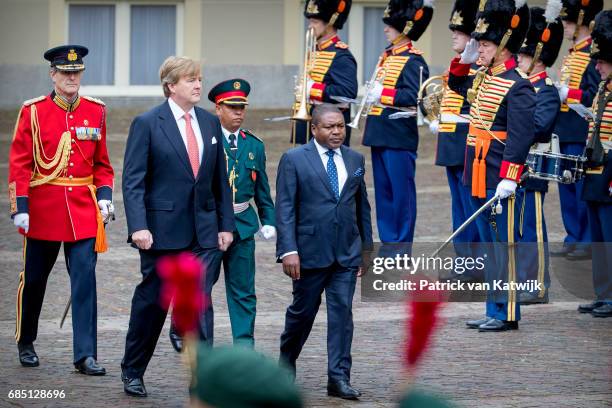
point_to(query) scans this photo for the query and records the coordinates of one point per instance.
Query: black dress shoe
(134, 386)
(27, 355)
(533, 298)
(176, 340)
(578, 254)
(89, 366)
(342, 389)
(589, 307)
(603, 311)
(496, 325)
(564, 250)
(474, 324)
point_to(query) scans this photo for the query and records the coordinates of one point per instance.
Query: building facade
(259, 40)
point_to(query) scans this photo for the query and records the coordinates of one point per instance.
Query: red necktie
(192, 145)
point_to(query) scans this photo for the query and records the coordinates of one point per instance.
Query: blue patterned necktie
(332, 173)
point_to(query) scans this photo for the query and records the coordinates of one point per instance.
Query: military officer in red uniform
(60, 190)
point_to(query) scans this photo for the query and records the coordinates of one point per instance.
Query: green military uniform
(246, 168)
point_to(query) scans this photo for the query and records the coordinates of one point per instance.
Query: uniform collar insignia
(536, 77)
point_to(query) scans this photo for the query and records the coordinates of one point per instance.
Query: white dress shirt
(342, 175)
(227, 133)
(179, 116)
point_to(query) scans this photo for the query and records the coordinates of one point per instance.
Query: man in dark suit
(323, 220)
(177, 198)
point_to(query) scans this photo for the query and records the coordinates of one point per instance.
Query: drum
(562, 168)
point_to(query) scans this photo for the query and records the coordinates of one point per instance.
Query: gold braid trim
(59, 160)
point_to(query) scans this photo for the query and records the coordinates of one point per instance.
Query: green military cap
(421, 399)
(233, 377)
(231, 92)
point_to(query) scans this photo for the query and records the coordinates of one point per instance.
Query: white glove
(22, 220)
(375, 93)
(563, 91)
(433, 126)
(470, 53)
(505, 188)
(107, 209)
(309, 84)
(610, 189)
(267, 232)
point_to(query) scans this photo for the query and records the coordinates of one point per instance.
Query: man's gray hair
(321, 110)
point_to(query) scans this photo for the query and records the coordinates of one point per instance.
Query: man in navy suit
(177, 198)
(323, 220)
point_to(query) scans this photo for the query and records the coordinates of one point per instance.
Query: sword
(66, 309)
(468, 222)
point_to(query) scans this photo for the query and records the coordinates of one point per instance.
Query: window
(374, 41)
(94, 27)
(152, 40)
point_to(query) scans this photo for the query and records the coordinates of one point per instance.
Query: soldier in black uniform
(546, 35)
(501, 131)
(334, 72)
(598, 182)
(578, 84)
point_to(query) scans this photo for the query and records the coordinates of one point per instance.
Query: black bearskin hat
(463, 17)
(497, 17)
(326, 9)
(602, 37)
(414, 15)
(540, 21)
(571, 10)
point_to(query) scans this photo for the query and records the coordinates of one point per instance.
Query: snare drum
(562, 168)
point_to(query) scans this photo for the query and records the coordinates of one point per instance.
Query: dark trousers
(573, 209)
(461, 210)
(532, 259)
(395, 193)
(39, 258)
(497, 234)
(600, 220)
(339, 285)
(147, 317)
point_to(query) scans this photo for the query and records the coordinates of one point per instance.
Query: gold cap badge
(387, 13)
(236, 85)
(481, 26)
(457, 19)
(312, 8)
(72, 56)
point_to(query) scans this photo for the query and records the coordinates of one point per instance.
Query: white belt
(240, 207)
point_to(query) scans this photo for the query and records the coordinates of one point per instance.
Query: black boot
(27, 355)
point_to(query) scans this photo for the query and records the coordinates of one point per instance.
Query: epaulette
(415, 51)
(34, 100)
(521, 73)
(94, 100)
(342, 45)
(248, 132)
(549, 81)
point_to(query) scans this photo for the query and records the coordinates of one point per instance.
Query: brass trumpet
(364, 107)
(430, 96)
(300, 106)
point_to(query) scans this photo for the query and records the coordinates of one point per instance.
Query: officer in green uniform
(246, 169)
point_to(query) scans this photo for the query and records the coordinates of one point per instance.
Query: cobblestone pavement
(558, 358)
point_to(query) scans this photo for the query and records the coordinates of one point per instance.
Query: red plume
(423, 310)
(181, 283)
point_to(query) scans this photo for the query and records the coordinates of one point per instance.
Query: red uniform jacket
(70, 141)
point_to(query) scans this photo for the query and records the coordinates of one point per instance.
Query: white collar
(227, 133)
(323, 150)
(178, 112)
